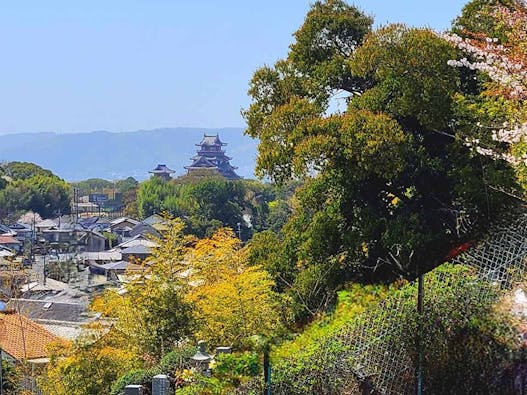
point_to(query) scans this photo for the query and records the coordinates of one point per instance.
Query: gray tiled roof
(121, 265)
(137, 249)
(162, 169)
(211, 140)
(52, 311)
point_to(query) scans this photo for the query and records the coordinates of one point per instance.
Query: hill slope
(108, 155)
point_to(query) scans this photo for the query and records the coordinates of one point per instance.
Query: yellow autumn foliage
(233, 301)
(86, 368)
(189, 289)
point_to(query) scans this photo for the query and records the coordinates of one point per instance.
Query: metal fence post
(420, 306)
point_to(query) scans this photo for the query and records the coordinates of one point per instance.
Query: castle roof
(161, 169)
(201, 162)
(211, 140)
(211, 156)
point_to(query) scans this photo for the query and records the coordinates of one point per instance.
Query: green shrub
(235, 368)
(11, 378)
(178, 358)
(202, 385)
(137, 376)
(467, 342)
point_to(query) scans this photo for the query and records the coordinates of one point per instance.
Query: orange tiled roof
(22, 338)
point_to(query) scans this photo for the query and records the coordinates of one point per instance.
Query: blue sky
(122, 65)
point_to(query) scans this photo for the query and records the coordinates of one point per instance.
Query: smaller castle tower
(162, 171)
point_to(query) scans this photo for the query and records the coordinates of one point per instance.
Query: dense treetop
(388, 186)
(28, 187)
(207, 203)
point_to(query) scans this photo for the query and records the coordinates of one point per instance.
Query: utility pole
(1, 372)
(75, 205)
(44, 269)
(267, 371)
(420, 317)
(3, 331)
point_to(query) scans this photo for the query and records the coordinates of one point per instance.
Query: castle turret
(162, 171)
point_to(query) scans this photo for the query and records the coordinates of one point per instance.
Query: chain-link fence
(377, 353)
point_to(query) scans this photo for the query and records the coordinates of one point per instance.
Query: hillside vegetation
(428, 154)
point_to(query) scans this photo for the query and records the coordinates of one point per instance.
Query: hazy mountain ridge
(112, 155)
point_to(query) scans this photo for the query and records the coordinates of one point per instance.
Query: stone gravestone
(223, 350)
(161, 385)
(134, 389)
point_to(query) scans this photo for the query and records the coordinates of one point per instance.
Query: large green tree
(205, 204)
(388, 187)
(23, 170)
(208, 203)
(28, 187)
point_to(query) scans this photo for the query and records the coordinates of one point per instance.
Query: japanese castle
(211, 156)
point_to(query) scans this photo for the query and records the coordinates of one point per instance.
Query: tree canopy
(233, 300)
(23, 170)
(495, 115)
(28, 187)
(208, 203)
(388, 187)
(92, 185)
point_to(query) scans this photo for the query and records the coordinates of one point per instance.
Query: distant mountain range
(109, 155)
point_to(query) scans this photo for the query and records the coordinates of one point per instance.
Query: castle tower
(162, 171)
(211, 156)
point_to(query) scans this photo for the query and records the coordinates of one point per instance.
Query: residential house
(10, 242)
(138, 240)
(91, 241)
(64, 235)
(153, 219)
(46, 225)
(120, 271)
(6, 231)
(100, 257)
(143, 229)
(89, 222)
(39, 289)
(122, 226)
(137, 247)
(136, 253)
(62, 319)
(157, 222)
(22, 231)
(81, 236)
(23, 339)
